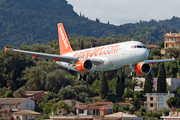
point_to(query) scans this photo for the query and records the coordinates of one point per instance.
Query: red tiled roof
(82, 107)
(12, 100)
(126, 104)
(33, 92)
(101, 103)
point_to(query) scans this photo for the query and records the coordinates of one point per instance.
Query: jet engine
(142, 68)
(84, 65)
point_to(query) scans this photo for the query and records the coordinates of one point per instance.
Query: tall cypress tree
(148, 83)
(161, 81)
(103, 90)
(120, 86)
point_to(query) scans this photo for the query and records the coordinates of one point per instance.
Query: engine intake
(84, 65)
(142, 68)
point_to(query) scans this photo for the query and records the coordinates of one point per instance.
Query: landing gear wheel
(79, 76)
(117, 79)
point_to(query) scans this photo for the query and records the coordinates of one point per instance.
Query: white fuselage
(114, 56)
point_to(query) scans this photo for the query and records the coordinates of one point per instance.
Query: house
(172, 82)
(172, 40)
(121, 116)
(26, 114)
(9, 105)
(156, 101)
(171, 116)
(70, 116)
(97, 108)
(70, 102)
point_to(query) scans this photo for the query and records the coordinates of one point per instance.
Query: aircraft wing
(53, 57)
(160, 60)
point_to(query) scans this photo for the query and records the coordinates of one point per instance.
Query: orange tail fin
(64, 45)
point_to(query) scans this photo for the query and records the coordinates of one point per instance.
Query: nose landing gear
(120, 78)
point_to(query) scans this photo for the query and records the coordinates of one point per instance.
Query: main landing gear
(81, 76)
(120, 78)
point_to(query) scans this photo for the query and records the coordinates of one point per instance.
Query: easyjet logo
(99, 51)
(63, 38)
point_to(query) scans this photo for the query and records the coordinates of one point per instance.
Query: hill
(29, 21)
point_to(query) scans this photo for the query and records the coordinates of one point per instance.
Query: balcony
(159, 94)
(14, 109)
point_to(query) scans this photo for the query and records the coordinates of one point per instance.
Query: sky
(119, 12)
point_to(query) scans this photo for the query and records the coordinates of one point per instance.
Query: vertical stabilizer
(64, 44)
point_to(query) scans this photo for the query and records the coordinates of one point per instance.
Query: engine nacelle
(84, 65)
(142, 68)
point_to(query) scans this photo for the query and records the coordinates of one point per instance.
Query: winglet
(173, 58)
(5, 49)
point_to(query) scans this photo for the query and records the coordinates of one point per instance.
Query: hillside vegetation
(29, 21)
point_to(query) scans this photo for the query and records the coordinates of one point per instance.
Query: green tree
(8, 94)
(67, 93)
(103, 90)
(120, 87)
(116, 107)
(136, 103)
(148, 85)
(60, 105)
(161, 80)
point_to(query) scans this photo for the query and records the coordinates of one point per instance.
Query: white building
(172, 82)
(15, 104)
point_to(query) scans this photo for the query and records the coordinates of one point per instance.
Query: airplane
(102, 58)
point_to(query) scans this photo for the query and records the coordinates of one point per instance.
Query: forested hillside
(29, 21)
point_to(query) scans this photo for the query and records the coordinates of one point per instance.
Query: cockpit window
(138, 46)
(144, 46)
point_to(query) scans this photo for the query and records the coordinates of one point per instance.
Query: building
(26, 115)
(9, 105)
(122, 116)
(156, 101)
(70, 102)
(172, 40)
(34, 95)
(172, 82)
(97, 108)
(171, 116)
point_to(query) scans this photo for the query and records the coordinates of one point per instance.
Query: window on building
(172, 46)
(9, 106)
(16, 106)
(160, 106)
(160, 99)
(177, 46)
(17, 117)
(81, 111)
(151, 98)
(151, 105)
(4, 106)
(174, 39)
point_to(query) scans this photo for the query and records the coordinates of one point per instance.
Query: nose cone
(145, 54)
